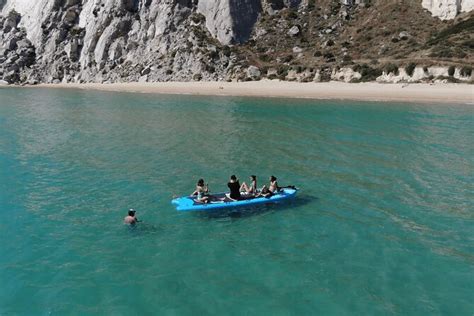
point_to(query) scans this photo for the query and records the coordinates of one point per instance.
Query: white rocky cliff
(136, 40)
(448, 9)
(230, 21)
(124, 40)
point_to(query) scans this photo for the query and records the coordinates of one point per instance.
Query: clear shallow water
(384, 224)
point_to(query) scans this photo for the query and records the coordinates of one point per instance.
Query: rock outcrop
(159, 40)
(116, 40)
(448, 9)
(230, 21)
(420, 74)
(17, 52)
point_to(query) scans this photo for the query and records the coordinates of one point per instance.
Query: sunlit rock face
(467, 5)
(448, 9)
(129, 40)
(33, 13)
(147, 40)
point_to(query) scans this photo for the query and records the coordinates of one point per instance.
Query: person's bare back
(130, 218)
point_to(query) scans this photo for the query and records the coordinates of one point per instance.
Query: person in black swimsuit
(234, 187)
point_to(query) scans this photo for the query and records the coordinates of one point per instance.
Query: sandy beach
(431, 93)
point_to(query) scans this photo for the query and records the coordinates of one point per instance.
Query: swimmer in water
(130, 218)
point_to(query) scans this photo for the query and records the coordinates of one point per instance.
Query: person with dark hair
(272, 187)
(234, 187)
(252, 189)
(131, 219)
(201, 192)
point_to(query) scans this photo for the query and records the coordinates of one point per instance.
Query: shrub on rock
(451, 70)
(391, 69)
(466, 71)
(410, 69)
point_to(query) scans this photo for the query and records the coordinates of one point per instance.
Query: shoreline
(414, 93)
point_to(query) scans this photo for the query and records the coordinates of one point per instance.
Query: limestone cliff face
(149, 40)
(448, 9)
(114, 40)
(230, 21)
(218, 18)
(119, 40)
(33, 14)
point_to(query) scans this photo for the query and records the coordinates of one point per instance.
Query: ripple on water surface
(383, 223)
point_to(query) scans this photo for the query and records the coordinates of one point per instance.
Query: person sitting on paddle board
(131, 218)
(271, 189)
(201, 192)
(252, 189)
(234, 187)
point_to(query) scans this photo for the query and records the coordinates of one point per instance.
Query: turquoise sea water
(384, 223)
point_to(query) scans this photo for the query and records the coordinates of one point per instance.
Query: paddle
(289, 187)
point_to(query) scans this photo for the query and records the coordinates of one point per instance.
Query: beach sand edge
(395, 92)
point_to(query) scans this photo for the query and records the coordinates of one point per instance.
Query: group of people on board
(237, 191)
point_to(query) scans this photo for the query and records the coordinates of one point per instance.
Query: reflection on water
(383, 223)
